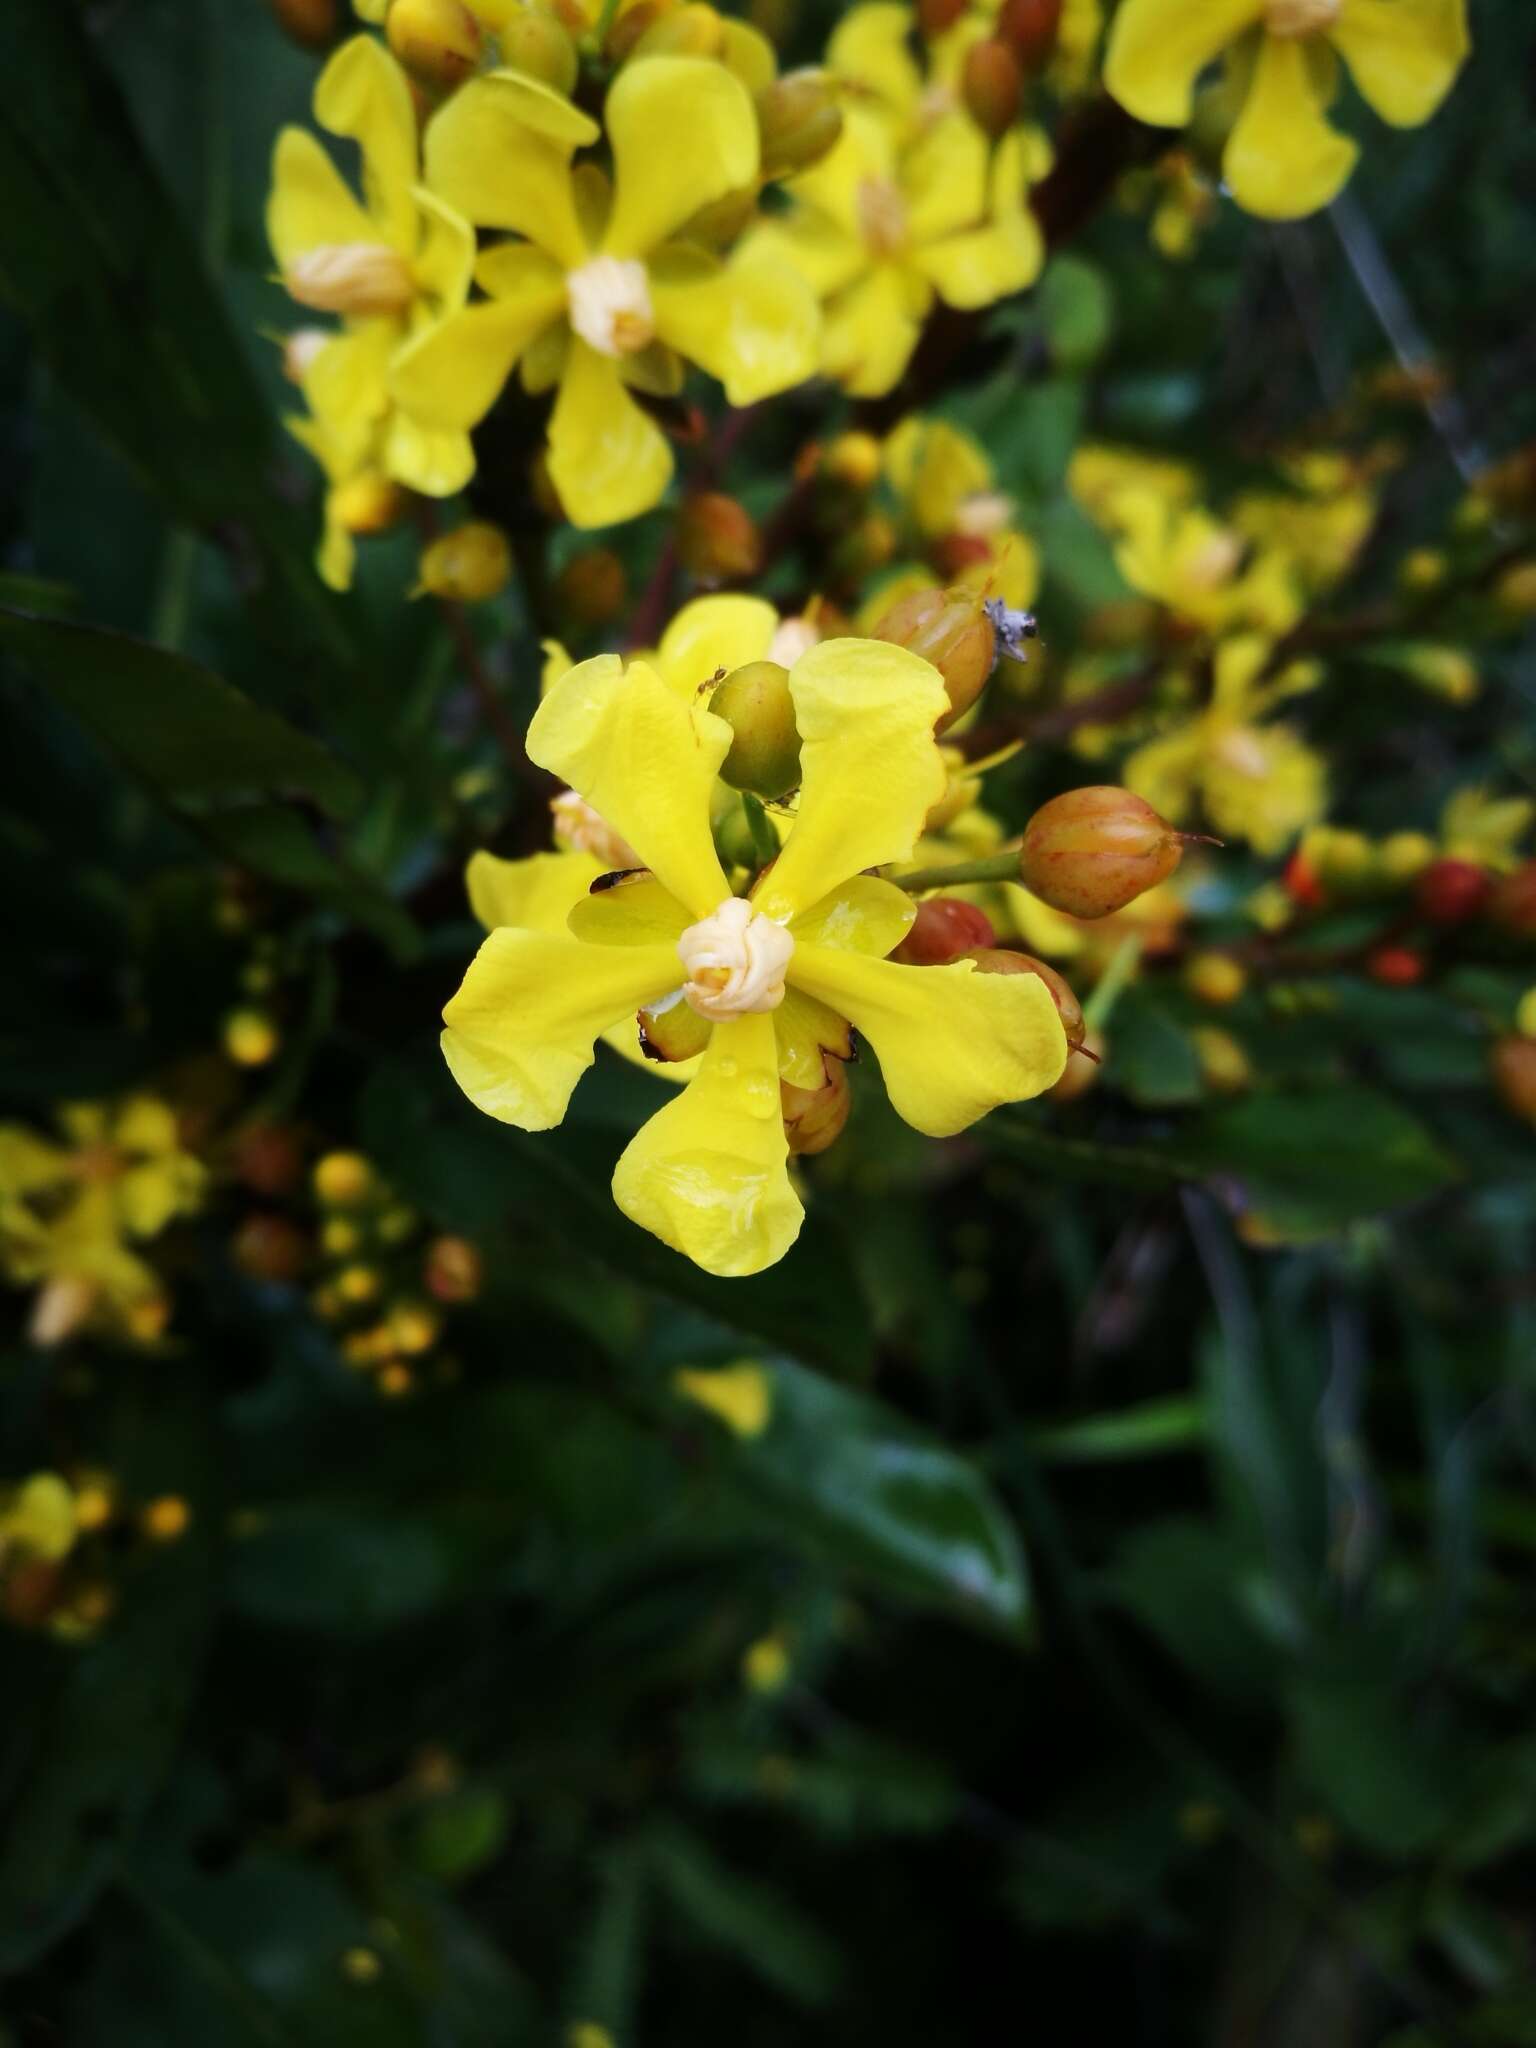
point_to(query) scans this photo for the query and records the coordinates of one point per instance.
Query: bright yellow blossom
(38, 1517)
(949, 490)
(1489, 830)
(1202, 569)
(773, 975)
(600, 297)
(1283, 158)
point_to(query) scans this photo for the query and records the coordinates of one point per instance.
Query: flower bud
(1451, 891)
(368, 503)
(868, 546)
(438, 41)
(814, 1117)
(1402, 855)
(358, 1284)
(1512, 906)
(592, 586)
(992, 960)
(539, 46)
(167, 1519)
(414, 1327)
(1395, 966)
(312, 24)
(340, 1237)
(270, 1248)
(631, 25)
(1214, 978)
(756, 704)
(268, 1159)
(1525, 1014)
(944, 928)
(250, 1037)
(993, 86)
(950, 629)
(935, 16)
(395, 1380)
(1423, 569)
(467, 566)
(1082, 1071)
(1224, 1065)
(717, 538)
(1513, 1066)
(351, 278)
(852, 459)
(1092, 851)
(671, 1029)
(343, 1180)
(690, 31)
(453, 1269)
(1031, 28)
(798, 121)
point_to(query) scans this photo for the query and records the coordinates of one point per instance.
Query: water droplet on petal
(727, 1069)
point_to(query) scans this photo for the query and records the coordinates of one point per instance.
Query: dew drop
(727, 1069)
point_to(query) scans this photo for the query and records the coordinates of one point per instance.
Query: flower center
(351, 277)
(583, 830)
(1213, 561)
(981, 514)
(882, 215)
(735, 961)
(1300, 17)
(1242, 750)
(610, 305)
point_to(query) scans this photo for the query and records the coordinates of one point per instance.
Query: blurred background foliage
(1123, 1626)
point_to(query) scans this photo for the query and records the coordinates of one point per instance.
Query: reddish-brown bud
(1512, 906)
(992, 960)
(1451, 891)
(268, 1159)
(944, 928)
(957, 552)
(1302, 884)
(270, 1248)
(717, 538)
(31, 1591)
(1030, 28)
(1395, 966)
(312, 24)
(453, 1269)
(935, 16)
(592, 586)
(949, 628)
(1092, 851)
(993, 86)
(814, 1117)
(1513, 1066)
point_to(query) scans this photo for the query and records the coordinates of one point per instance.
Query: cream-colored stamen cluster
(735, 961)
(1298, 18)
(351, 277)
(609, 300)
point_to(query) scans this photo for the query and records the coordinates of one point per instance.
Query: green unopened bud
(798, 120)
(672, 1029)
(756, 704)
(539, 46)
(993, 85)
(692, 31)
(438, 41)
(717, 537)
(467, 566)
(1092, 851)
(951, 629)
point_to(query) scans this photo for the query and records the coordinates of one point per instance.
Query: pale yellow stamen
(609, 300)
(882, 215)
(581, 829)
(1297, 18)
(735, 961)
(351, 277)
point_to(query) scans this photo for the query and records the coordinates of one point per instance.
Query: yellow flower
(740, 1395)
(1320, 524)
(882, 226)
(1198, 566)
(390, 266)
(1099, 475)
(38, 1516)
(1478, 826)
(600, 297)
(776, 977)
(1283, 158)
(949, 490)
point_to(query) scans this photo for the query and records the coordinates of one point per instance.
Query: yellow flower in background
(600, 298)
(776, 977)
(1253, 781)
(67, 1209)
(1199, 567)
(1489, 830)
(359, 497)
(1100, 474)
(949, 493)
(1283, 158)
(38, 1517)
(389, 266)
(881, 227)
(1320, 523)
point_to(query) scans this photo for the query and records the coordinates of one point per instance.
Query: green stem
(1112, 982)
(996, 867)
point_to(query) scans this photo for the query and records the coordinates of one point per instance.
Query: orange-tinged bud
(814, 1117)
(993, 86)
(853, 459)
(1513, 1065)
(395, 1380)
(1084, 1064)
(756, 704)
(268, 1159)
(453, 1269)
(798, 120)
(438, 41)
(1004, 960)
(943, 929)
(954, 553)
(1092, 851)
(368, 503)
(935, 16)
(951, 629)
(1214, 978)
(250, 1037)
(592, 586)
(312, 24)
(1395, 966)
(1512, 906)
(343, 1180)
(539, 45)
(467, 566)
(717, 538)
(1031, 27)
(695, 30)
(166, 1519)
(1451, 891)
(270, 1248)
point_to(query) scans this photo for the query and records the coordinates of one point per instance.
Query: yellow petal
(363, 93)
(453, 372)
(683, 134)
(870, 768)
(872, 328)
(484, 160)
(348, 380)
(865, 914)
(544, 111)
(538, 893)
(984, 265)
(952, 1044)
(637, 911)
(871, 45)
(1283, 160)
(740, 1395)
(145, 1124)
(437, 461)
(710, 634)
(826, 255)
(310, 204)
(1404, 54)
(864, 153)
(748, 53)
(1164, 771)
(646, 762)
(608, 460)
(523, 1026)
(935, 466)
(147, 1198)
(445, 256)
(944, 178)
(707, 1174)
(1158, 49)
(753, 323)
(807, 1031)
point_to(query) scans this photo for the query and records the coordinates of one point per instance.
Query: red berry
(1513, 1064)
(943, 929)
(1512, 904)
(1395, 966)
(1302, 884)
(1451, 891)
(1093, 851)
(1032, 27)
